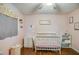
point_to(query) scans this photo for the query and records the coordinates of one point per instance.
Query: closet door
(8, 26)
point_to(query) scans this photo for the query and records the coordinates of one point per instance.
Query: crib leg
(60, 52)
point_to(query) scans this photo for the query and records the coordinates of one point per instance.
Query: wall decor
(76, 25)
(21, 26)
(71, 20)
(44, 22)
(21, 21)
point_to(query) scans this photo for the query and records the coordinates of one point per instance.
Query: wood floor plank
(65, 51)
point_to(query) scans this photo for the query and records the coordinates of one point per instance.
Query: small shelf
(66, 40)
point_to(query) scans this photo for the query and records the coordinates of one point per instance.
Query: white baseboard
(75, 49)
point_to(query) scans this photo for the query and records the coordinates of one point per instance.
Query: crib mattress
(50, 46)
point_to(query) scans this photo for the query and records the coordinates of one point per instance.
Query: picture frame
(76, 26)
(21, 26)
(44, 22)
(21, 21)
(71, 20)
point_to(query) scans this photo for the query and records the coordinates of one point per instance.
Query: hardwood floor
(65, 51)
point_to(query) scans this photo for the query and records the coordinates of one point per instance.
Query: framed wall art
(71, 20)
(44, 22)
(76, 25)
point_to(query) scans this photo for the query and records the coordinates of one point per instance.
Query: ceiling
(39, 8)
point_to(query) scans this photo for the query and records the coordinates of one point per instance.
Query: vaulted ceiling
(42, 8)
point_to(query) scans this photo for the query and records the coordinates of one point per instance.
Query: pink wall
(75, 33)
(58, 24)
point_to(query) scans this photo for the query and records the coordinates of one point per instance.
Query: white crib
(47, 41)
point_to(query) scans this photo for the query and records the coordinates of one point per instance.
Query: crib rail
(47, 41)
